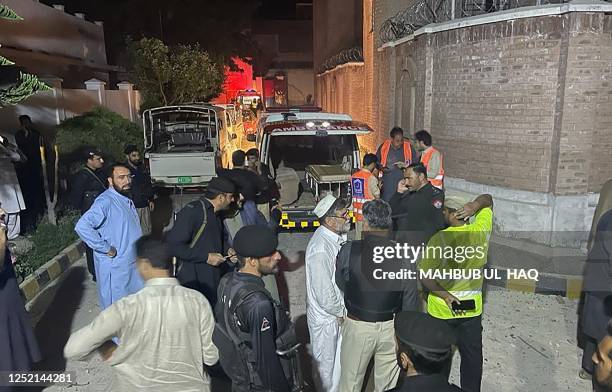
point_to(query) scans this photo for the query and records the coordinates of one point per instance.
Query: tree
(169, 76)
(99, 128)
(15, 85)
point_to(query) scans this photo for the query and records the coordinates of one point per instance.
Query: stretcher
(326, 176)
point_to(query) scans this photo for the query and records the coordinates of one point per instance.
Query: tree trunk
(51, 203)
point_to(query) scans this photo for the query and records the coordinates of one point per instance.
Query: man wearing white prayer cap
(325, 303)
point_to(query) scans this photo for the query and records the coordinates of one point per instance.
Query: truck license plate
(184, 180)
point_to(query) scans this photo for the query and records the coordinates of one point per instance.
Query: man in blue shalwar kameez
(111, 227)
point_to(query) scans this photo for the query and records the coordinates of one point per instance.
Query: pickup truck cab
(181, 144)
(309, 154)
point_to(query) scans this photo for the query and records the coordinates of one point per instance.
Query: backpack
(235, 354)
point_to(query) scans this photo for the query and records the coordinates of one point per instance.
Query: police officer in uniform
(247, 312)
(417, 207)
(196, 239)
(424, 347)
(86, 185)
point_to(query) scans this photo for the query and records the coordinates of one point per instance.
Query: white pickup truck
(309, 154)
(183, 143)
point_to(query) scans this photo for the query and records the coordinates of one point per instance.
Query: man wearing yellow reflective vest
(460, 249)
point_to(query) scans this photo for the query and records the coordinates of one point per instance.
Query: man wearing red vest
(431, 159)
(395, 154)
(364, 187)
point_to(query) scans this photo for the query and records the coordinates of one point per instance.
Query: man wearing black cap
(196, 239)
(142, 190)
(424, 348)
(85, 186)
(250, 325)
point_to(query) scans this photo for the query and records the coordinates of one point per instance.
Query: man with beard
(324, 301)
(602, 359)
(424, 348)
(250, 325)
(196, 239)
(111, 228)
(417, 207)
(142, 190)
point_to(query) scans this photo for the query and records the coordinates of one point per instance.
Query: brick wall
(525, 105)
(585, 145)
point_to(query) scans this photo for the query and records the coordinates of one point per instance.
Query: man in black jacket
(371, 301)
(86, 185)
(417, 207)
(142, 189)
(597, 309)
(196, 239)
(250, 359)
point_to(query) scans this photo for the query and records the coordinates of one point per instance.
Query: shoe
(583, 374)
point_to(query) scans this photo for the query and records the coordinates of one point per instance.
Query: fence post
(128, 88)
(95, 84)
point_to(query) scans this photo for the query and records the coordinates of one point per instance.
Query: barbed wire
(346, 56)
(425, 12)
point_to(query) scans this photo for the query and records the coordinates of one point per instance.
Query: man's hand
(112, 252)
(151, 205)
(107, 349)
(467, 210)
(401, 186)
(215, 259)
(450, 300)
(231, 253)
(471, 208)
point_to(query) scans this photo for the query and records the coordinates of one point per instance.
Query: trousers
(469, 343)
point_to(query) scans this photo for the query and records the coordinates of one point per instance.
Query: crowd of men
(203, 300)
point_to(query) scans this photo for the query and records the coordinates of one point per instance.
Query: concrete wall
(51, 42)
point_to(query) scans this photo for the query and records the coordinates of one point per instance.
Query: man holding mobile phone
(459, 301)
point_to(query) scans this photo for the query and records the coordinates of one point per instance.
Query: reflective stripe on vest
(360, 192)
(438, 180)
(384, 152)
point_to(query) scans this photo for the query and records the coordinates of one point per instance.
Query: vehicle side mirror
(234, 136)
(251, 137)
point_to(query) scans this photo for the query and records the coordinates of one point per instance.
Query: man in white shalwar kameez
(325, 304)
(11, 199)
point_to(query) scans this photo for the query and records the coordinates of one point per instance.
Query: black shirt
(249, 184)
(418, 214)
(142, 190)
(429, 383)
(195, 272)
(257, 318)
(85, 186)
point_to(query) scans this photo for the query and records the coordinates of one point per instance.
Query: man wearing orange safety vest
(431, 159)
(364, 188)
(394, 154)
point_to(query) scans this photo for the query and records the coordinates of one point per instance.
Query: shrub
(99, 128)
(47, 241)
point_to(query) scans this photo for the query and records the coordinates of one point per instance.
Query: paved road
(529, 339)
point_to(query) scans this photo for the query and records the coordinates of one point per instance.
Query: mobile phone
(467, 304)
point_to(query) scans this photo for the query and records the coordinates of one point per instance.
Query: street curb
(563, 285)
(51, 271)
